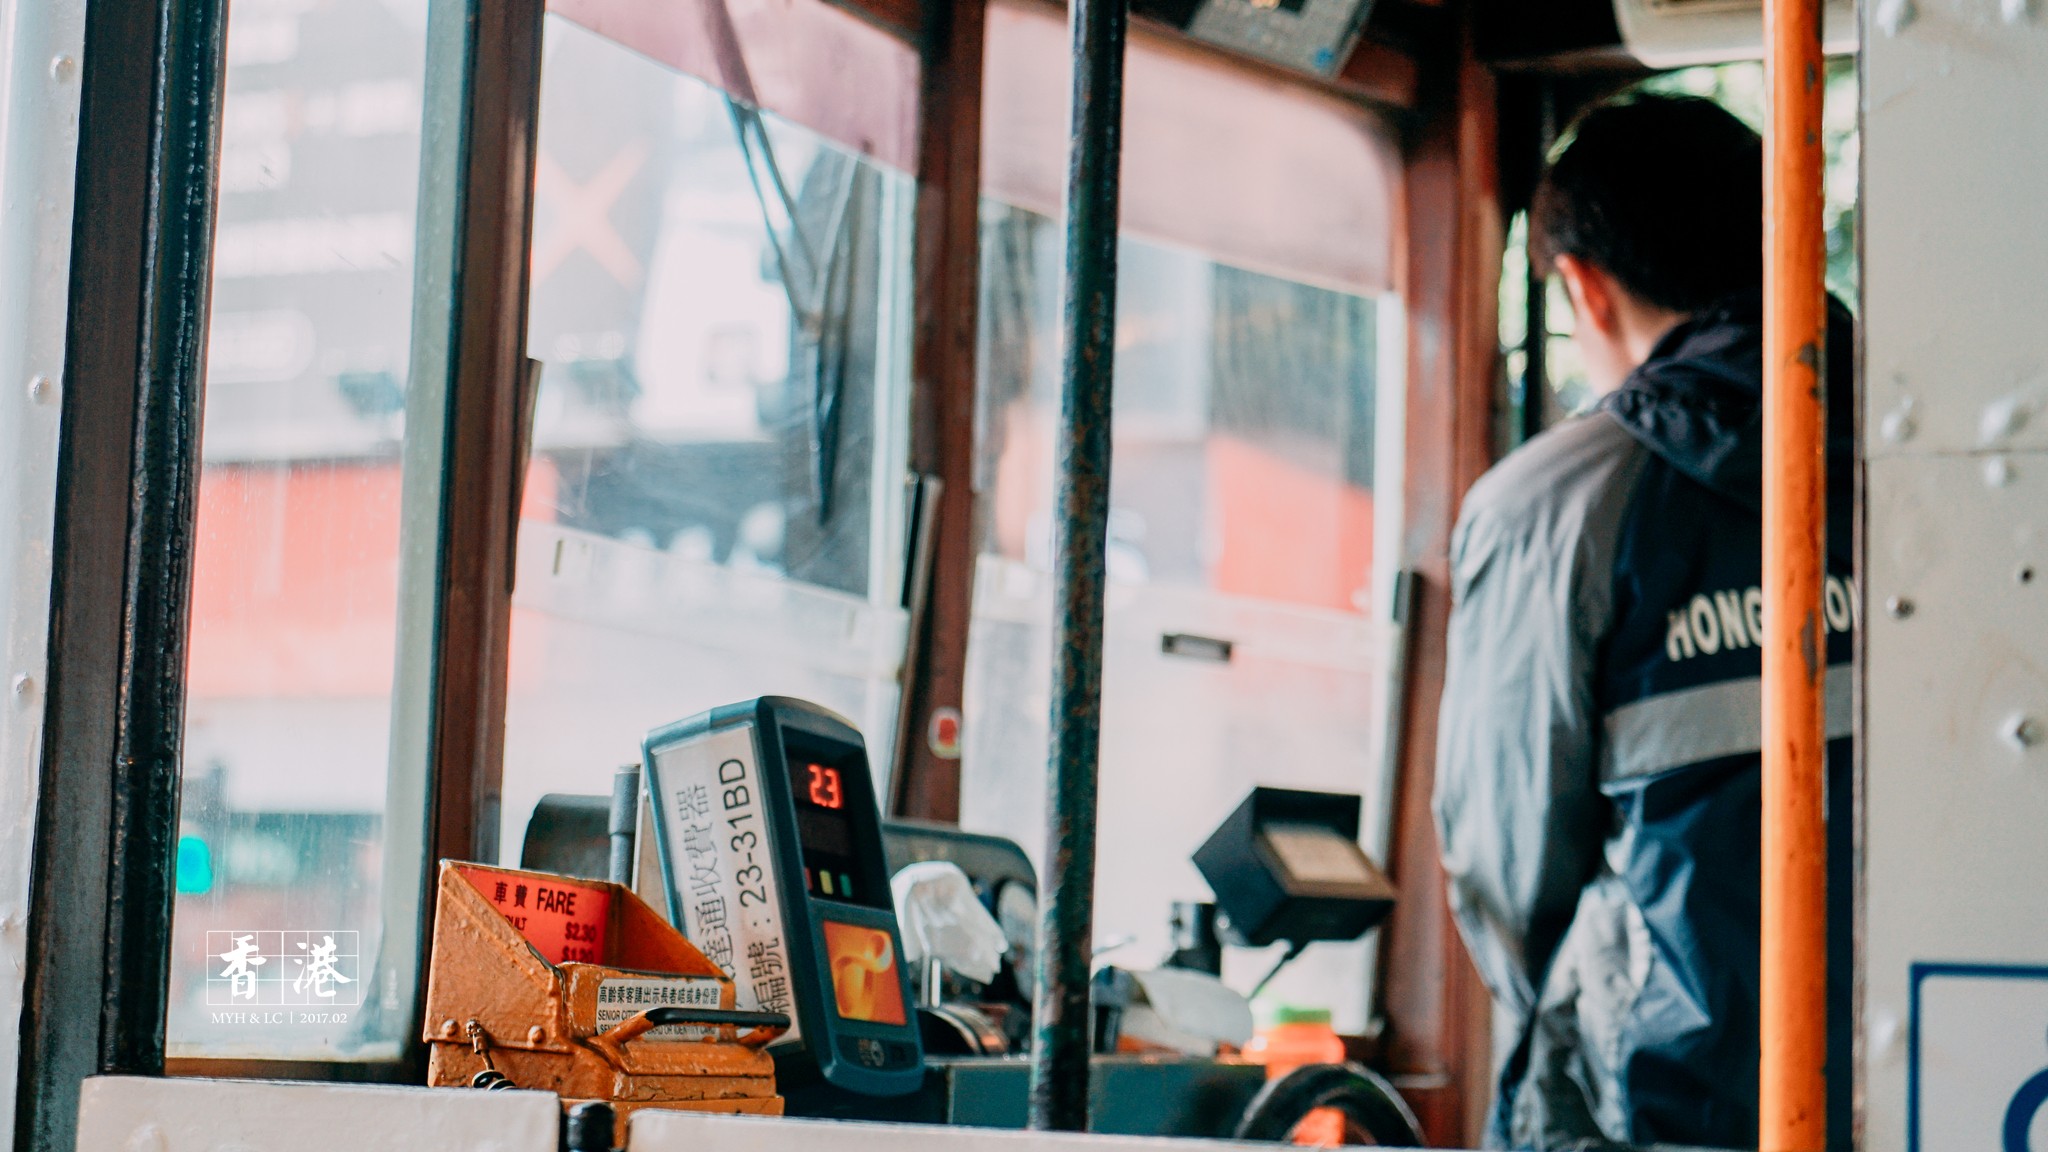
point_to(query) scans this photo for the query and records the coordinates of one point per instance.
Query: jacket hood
(1696, 402)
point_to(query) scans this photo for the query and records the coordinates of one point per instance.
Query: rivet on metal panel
(450, 1028)
(1997, 472)
(1898, 425)
(1894, 15)
(40, 390)
(2022, 732)
(1884, 1033)
(1899, 607)
(63, 68)
(536, 1034)
(2002, 418)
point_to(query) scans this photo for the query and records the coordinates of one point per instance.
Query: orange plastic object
(509, 992)
(865, 985)
(1298, 1040)
(1793, 994)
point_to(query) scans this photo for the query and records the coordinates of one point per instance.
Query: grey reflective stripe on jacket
(1703, 723)
(1518, 809)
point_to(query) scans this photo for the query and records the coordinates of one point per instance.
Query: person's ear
(1592, 293)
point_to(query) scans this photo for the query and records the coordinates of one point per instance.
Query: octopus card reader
(770, 850)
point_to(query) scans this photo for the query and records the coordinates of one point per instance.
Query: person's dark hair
(1663, 193)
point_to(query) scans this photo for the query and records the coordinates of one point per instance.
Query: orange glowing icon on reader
(864, 980)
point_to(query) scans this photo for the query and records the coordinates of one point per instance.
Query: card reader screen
(865, 985)
(825, 795)
(823, 787)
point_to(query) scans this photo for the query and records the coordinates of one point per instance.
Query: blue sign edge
(1917, 973)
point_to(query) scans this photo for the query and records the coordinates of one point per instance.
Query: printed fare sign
(563, 920)
(619, 999)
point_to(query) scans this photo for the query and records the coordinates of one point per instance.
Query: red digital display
(825, 792)
(828, 792)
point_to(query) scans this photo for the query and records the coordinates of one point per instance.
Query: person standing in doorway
(1598, 794)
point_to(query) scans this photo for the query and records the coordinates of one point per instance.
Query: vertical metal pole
(1535, 353)
(622, 828)
(1793, 993)
(1536, 296)
(1059, 1068)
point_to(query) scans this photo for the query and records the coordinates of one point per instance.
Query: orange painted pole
(1793, 994)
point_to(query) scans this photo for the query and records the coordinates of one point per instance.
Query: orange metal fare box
(546, 982)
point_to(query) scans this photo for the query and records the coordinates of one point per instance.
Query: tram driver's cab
(546, 557)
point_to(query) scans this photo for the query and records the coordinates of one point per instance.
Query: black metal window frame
(103, 872)
(127, 475)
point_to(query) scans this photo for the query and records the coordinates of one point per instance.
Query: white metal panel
(41, 42)
(1956, 552)
(653, 1131)
(1956, 791)
(1954, 163)
(137, 1114)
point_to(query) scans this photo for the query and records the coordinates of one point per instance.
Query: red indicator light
(825, 787)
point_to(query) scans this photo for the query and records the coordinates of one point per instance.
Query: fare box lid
(517, 950)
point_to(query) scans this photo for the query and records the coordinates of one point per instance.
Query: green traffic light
(195, 866)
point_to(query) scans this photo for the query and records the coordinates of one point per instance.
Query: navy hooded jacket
(1598, 797)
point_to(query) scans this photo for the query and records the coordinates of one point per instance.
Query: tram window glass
(1567, 392)
(1739, 87)
(715, 503)
(1244, 433)
(1257, 461)
(281, 885)
(1247, 473)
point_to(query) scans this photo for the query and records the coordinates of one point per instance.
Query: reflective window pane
(1244, 420)
(1256, 465)
(716, 498)
(294, 635)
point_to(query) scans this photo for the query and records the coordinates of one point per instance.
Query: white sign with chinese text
(721, 866)
(620, 999)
